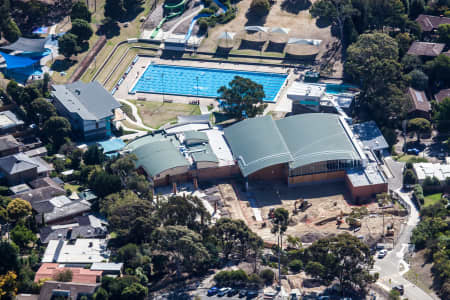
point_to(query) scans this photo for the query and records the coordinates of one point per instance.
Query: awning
(279, 30)
(14, 62)
(298, 41)
(257, 28)
(27, 45)
(227, 35)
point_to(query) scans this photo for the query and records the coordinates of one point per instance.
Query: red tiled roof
(426, 49)
(419, 100)
(428, 23)
(442, 95)
(80, 275)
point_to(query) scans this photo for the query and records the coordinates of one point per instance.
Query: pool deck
(281, 103)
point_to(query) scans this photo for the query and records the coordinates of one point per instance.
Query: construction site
(315, 211)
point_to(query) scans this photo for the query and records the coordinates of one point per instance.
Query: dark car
(414, 151)
(399, 288)
(232, 292)
(212, 291)
(252, 294)
(242, 293)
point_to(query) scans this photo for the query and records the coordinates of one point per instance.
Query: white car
(382, 253)
(223, 291)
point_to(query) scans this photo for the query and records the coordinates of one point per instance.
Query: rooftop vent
(77, 91)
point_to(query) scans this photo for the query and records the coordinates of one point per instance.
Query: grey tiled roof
(89, 100)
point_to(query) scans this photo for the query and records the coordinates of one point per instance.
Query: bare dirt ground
(300, 23)
(328, 201)
(420, 273)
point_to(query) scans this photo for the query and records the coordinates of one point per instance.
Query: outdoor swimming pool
(191, 81)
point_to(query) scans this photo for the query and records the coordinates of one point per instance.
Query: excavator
(301, 205)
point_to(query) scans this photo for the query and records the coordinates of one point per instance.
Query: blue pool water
(338, 88)
(179, 80)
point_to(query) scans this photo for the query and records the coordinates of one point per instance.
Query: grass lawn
(132, 126)
(432, 199)
(156, 114)
(72, 187)
(410, 158)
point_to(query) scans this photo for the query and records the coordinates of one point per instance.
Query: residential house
(439, 171)
(87, 226)
(9, 122)
(420, 106)
(67, 290)
(429, 24)
(111, 269)
(20, 168)
(88, 107)
(79, 251)
(59, 210)
(441, 95)
(79, 274)
(9, 145)
(425, 49)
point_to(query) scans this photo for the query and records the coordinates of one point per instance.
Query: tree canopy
(56, 130)
(81, 29)
(18, 208)
(243, 97)
(419, 126)
(68, 45)
(80, 11)
(442, 116)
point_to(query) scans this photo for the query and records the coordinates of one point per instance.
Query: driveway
(392, 267)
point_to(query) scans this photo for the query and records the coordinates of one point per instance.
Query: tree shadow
(222, 52)
(275, 47)
(109, 29)
(132, 13)
(254, 20)
(251, 45)
(295, 6)
(323, 22)
(60, 65)
(84, 46)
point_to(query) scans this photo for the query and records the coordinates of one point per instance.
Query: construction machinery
(301, 205)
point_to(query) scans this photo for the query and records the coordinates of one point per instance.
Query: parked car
(252, 294)
(382, 253)
(232, 292)
(399, 288)
(212, 291)
(414, 151)
(242, 293)
(223, 291)
(323, 298)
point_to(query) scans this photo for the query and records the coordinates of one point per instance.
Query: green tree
(22, 236)
(438, 70)
(404, 41)
(295, 265)
(409, 178)
(243, 98)
(419, 126)
(75, 158)
(68, 45)
(9, 252)
(81, 29)
(183, 210)
(267, 275)
(130, 256)
(444, 33)
(18, 209)
(260, 7)
(41, 110)
(56, 130)
(418, 79)
(80, 11)
(93, 155)
(114, 9)
(135, 291)
(101, 294)
(442, 116)
(64, 276)
(416, 7)
(337, 11)
(103, 183)
(394, 295)
(344, 258)
(183, 247)
(11, 31)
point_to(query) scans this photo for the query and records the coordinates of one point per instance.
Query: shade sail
(27, 45)
(279, 30)
(14, 62)
(257, 28)
(227, 35)
(297, 41)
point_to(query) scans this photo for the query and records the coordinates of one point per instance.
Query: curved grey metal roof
(256, 144)
(27, 45)
(298, 140)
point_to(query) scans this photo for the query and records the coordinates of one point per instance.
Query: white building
(424, 170)
(79, 251)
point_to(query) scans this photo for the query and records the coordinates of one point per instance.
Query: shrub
(260, 7)
(267, 275)
(409, 177)
(418, 79)
(236, 277)
(64, 276)
(296, 266)
(418, 194)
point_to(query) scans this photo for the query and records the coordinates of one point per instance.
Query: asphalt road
(392, 267)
